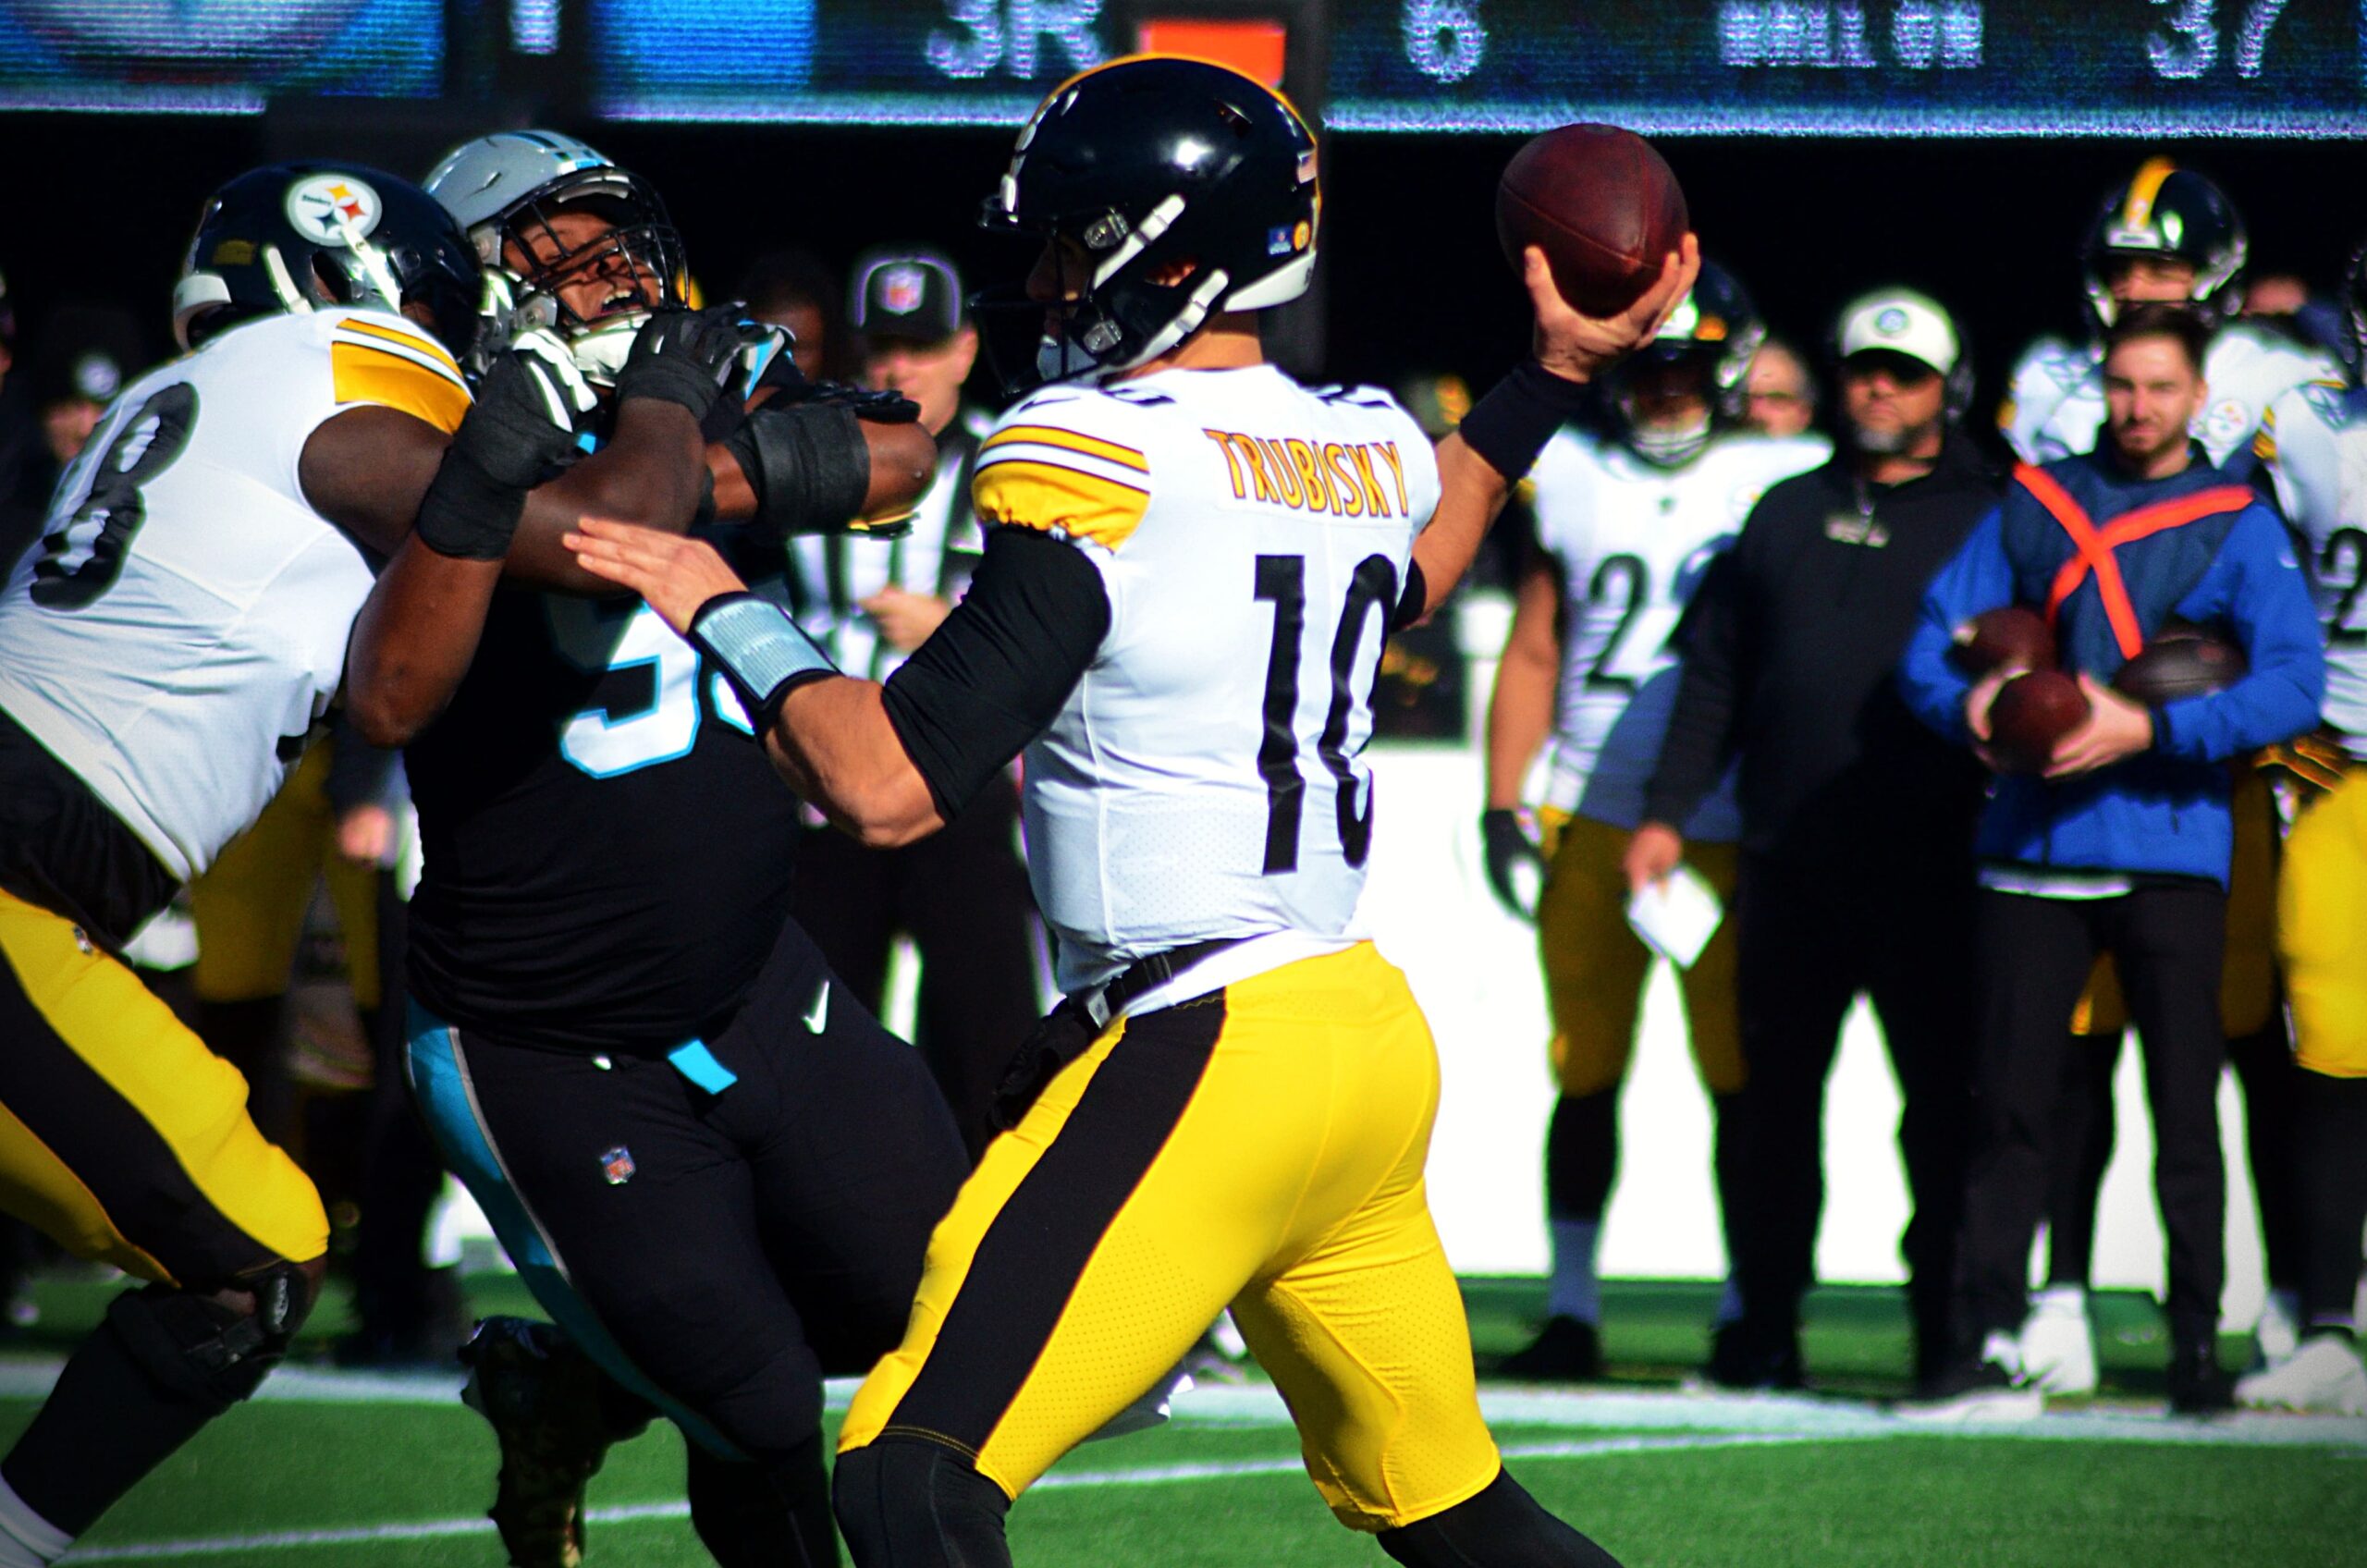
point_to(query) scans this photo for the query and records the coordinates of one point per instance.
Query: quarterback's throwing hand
(1580, 348)
(676, 575)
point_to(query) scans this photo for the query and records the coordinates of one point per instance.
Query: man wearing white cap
(1857, 822)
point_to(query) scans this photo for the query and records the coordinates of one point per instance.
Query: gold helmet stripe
(2138, 211)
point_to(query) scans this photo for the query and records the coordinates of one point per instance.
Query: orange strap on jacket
(2093, 548)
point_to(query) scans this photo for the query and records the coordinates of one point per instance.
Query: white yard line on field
(1146, 1476)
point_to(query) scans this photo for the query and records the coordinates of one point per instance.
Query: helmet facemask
(637, 259)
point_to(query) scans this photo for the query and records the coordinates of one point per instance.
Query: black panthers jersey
(607, 848)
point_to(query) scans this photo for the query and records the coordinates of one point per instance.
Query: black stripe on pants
(1028, 1263)
(2034, 954)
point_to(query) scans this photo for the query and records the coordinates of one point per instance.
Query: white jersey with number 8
(1205, 779)
(183, 620)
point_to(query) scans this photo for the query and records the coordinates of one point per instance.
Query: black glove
(686, 357)
(874, 404)
(518, 433)
(1508, 849)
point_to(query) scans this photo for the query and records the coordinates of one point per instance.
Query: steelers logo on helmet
(333, 209)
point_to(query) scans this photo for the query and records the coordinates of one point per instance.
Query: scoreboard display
(1811, 67)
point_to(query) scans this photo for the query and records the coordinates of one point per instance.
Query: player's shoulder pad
(1071, 461)
(377, 357)
(2050, 363)
(1772, 457)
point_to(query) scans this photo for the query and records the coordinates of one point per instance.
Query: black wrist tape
(467, 513)
(760, 651)
(808, 464)
(1511, 424)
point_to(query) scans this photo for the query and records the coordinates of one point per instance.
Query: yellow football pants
(250, 903)
(1596, 965)
(2322, 928)
(2248, 972)
(1260, 1148)
(121, 1136)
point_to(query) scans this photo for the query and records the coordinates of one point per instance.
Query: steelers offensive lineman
(2314, 443)
(716, 1170)
(2169, 235)
(1191, 565)
(1626, 524)
(164, 653)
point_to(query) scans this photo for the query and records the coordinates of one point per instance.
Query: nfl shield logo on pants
(617, 1166)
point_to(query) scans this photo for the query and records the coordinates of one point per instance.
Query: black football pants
(1809, 941)
(2034, 955)
(735, 1243)
(961, 895)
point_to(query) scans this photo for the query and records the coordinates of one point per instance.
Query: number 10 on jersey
(1281, 581)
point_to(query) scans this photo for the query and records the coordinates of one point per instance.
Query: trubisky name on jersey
(1347, 478)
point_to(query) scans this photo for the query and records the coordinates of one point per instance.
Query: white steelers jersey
(183, 621)
(2315, 442)
(1631, 540)
(2055, 405)
(1204, 779)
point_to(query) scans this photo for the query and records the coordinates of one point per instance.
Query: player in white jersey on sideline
(164, 651)
(1626, 524)
(1191, 565)
(2170, 236)
(2314, 444)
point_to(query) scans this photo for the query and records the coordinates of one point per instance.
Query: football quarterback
(1190, 566)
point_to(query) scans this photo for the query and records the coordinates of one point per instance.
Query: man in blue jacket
(2122, 844)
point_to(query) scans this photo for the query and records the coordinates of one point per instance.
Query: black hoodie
(1789, 648)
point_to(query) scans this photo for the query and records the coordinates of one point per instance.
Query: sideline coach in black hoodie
(1857, 867)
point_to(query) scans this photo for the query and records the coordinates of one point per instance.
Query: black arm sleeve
(1700, 741)
(358, 770)
(993, 677)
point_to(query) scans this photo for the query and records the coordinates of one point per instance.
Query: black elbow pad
(808, 464)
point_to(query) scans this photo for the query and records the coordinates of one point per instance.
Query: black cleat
(1568, 1350)
(542, 1395)
(2198, 1385)
(1747, 1359)
(1975, 1389)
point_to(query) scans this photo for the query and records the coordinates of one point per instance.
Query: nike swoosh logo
(819, 1015)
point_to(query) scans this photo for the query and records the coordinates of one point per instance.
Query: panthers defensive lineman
(1626, 524)
(1191, 565)
(714, 1169)
(2169, 235)
(164, 653)
(2314, 443)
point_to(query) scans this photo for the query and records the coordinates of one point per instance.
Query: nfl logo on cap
(901, 288)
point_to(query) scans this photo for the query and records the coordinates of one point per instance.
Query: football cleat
(1568, 1350)
(541, 1395)
(2278, 1334)
(1971, 1392)
(2198, 1385)
(1747, 1359)
(2058, 1342)
(2324, 1375)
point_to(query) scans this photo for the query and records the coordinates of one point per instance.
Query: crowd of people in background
(1728, 655)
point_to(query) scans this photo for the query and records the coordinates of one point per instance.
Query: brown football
(1604, 206)
(2032, 713)
(2011, 635)
(2179, 663)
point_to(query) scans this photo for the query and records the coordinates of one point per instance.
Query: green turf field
(390, 1474)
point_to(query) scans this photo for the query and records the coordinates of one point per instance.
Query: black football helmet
(1714, 325)
(2176, 214)
(309, 236)
(1144, 165)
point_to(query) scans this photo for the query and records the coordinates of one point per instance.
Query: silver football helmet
(509, 191)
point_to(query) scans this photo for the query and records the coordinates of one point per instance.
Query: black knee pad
(202, 1351)
(905, 1502)
(1502, 1527)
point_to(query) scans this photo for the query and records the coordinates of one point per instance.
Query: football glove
(686, 357)
(518, 432)
(1515, 869)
